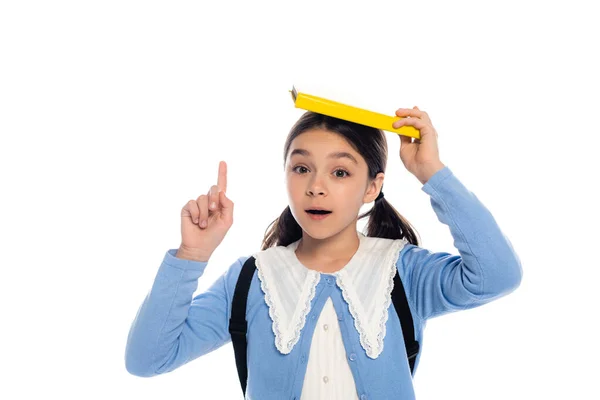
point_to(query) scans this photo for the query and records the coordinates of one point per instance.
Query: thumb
(404, 140)
(226, 204)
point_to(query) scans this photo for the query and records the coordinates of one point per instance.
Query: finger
(413, 112)
(190, 210)
(202, 203)
(405, 140)
(226, 205)
(213, 198)
(418, 123)
(222, 178)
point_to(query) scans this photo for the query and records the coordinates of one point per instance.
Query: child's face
(338, 184)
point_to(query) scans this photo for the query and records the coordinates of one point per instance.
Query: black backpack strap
(401, 306)
(238, 325)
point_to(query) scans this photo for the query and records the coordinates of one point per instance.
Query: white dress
(366, 282)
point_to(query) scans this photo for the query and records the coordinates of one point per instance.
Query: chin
(315, 234)
(317, 231)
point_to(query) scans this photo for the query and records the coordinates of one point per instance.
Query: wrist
(192, 254)
(428, 170)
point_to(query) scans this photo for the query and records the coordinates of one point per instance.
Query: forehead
(320, 143)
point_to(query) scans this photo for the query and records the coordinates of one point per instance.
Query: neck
(341, 246)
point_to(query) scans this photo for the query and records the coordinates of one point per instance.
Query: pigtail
(386, 222)
(282, 231)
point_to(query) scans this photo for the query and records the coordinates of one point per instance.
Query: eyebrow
(337, 154)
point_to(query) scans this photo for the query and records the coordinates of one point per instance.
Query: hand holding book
(421, 157)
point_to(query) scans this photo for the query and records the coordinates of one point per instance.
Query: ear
(374, 188)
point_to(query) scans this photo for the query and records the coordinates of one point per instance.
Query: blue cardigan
(169, 330)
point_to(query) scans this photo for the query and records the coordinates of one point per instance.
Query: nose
(312, 192)
(316, 188)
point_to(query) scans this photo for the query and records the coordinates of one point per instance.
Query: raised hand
(206, 220)
(421, 157)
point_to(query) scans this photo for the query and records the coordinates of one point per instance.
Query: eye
(298, 166)
(337, 170)
(344, 171)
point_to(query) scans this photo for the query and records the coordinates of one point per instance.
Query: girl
(320, 322)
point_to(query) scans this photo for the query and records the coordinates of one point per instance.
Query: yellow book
(349, 113)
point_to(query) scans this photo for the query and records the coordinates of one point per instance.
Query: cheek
(291, 185)
(351, 191)
(296, 183)
(294, 190)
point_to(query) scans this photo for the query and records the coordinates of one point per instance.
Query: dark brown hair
(385, 221)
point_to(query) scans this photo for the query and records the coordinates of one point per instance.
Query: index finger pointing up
(222, 179)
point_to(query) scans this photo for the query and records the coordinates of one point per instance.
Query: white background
(114, 114)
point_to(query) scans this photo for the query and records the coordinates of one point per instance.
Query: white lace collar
(366, 283)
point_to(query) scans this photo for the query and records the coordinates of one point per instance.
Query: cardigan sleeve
(487, 267)
(171, 328)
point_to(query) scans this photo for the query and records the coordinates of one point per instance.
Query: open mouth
(318, 214)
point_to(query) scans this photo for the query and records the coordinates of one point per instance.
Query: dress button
(363, 397)
(325, 327)
(329, 281)
(302, 359)
(313, 317)
(352, 357)
(325, 379)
